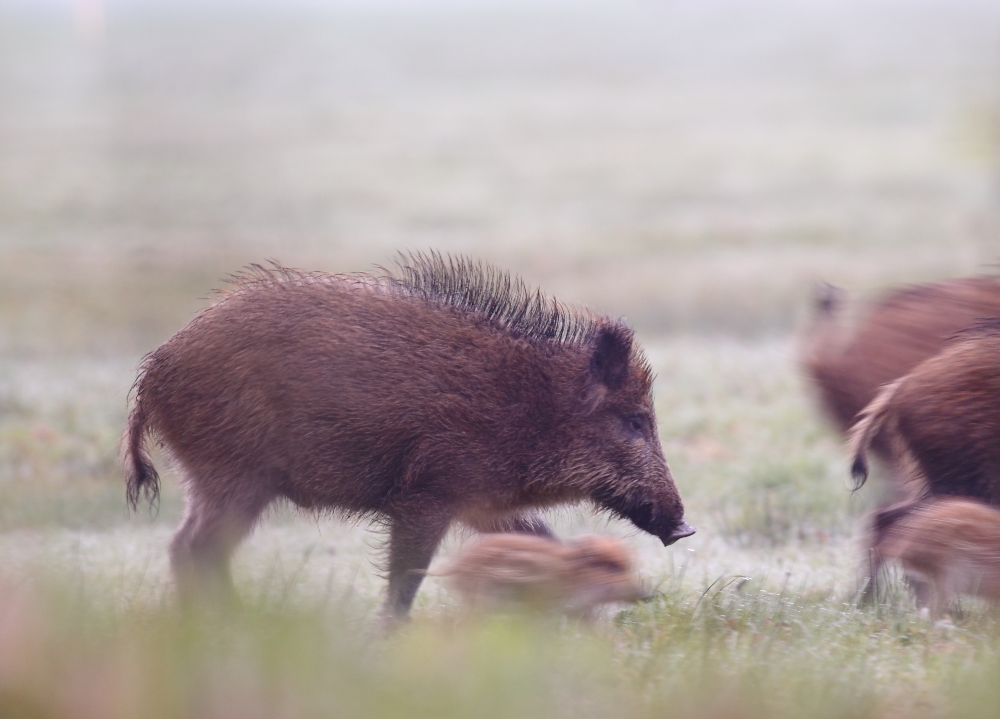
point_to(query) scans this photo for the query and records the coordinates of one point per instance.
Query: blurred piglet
(575, 576)
(947, 547)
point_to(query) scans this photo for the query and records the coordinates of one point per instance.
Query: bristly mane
(492, 293)
(501, 299)
(256, 277)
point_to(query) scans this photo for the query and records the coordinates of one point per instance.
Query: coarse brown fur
(947, 547)
(942, 420)
(870, 423)
(848, 365)
(574, 576)
(940, 427)
(444, 391)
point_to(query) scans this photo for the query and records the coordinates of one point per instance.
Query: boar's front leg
(412, 543)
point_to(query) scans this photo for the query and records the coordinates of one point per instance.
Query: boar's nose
(680, 531)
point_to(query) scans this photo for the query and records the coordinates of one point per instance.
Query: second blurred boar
(848, 362)
(941, 422)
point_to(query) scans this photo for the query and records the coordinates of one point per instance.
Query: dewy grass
(735, 650)
(777, 503)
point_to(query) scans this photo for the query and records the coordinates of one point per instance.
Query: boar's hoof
(682, 530)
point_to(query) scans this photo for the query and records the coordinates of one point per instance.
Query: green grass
(732, 650)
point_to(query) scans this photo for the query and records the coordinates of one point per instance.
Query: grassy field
(694, 169)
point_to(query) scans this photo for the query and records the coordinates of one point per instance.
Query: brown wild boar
(849, 362)
(941, 422)
(446, 391)
(946, 546)
(574, 576)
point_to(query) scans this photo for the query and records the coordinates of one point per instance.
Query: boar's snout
(668, 526)
(682, 530)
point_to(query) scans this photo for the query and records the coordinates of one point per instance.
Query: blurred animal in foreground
(947, 547)
(941, 422)
(940, 426)
(447, 391)
(574, 576)
(849, 362)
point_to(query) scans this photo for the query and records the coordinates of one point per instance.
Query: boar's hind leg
(412, 543)
(213, 526)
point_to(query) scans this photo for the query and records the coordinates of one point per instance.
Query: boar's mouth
(644, 516)
(680, 531)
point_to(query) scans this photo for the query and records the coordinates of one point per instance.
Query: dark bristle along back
(493, 293)
(255, 276)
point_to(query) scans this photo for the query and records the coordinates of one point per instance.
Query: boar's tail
(870, 422)
(141, 477)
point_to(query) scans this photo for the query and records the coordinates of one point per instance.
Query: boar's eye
(636, 425)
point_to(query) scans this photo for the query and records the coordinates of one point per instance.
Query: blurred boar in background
(848, 364)
(941, 422)
(947, 547)
(446, 391)
(574, 576)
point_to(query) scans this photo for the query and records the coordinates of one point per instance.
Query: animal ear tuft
(612, 353)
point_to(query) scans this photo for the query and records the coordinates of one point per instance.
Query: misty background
(694, 167)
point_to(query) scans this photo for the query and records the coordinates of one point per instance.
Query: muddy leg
(201, 549)
(412, 544)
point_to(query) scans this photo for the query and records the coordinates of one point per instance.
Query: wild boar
(848, 364)
(940, 426)
(443, 391)
(946, 546)
(574, 576)
(941, 421)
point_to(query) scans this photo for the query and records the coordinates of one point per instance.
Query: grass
(694, 168)
(732, 650)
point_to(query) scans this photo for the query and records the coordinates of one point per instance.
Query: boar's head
(617, 453)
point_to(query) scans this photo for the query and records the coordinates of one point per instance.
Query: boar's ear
(610, 362)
